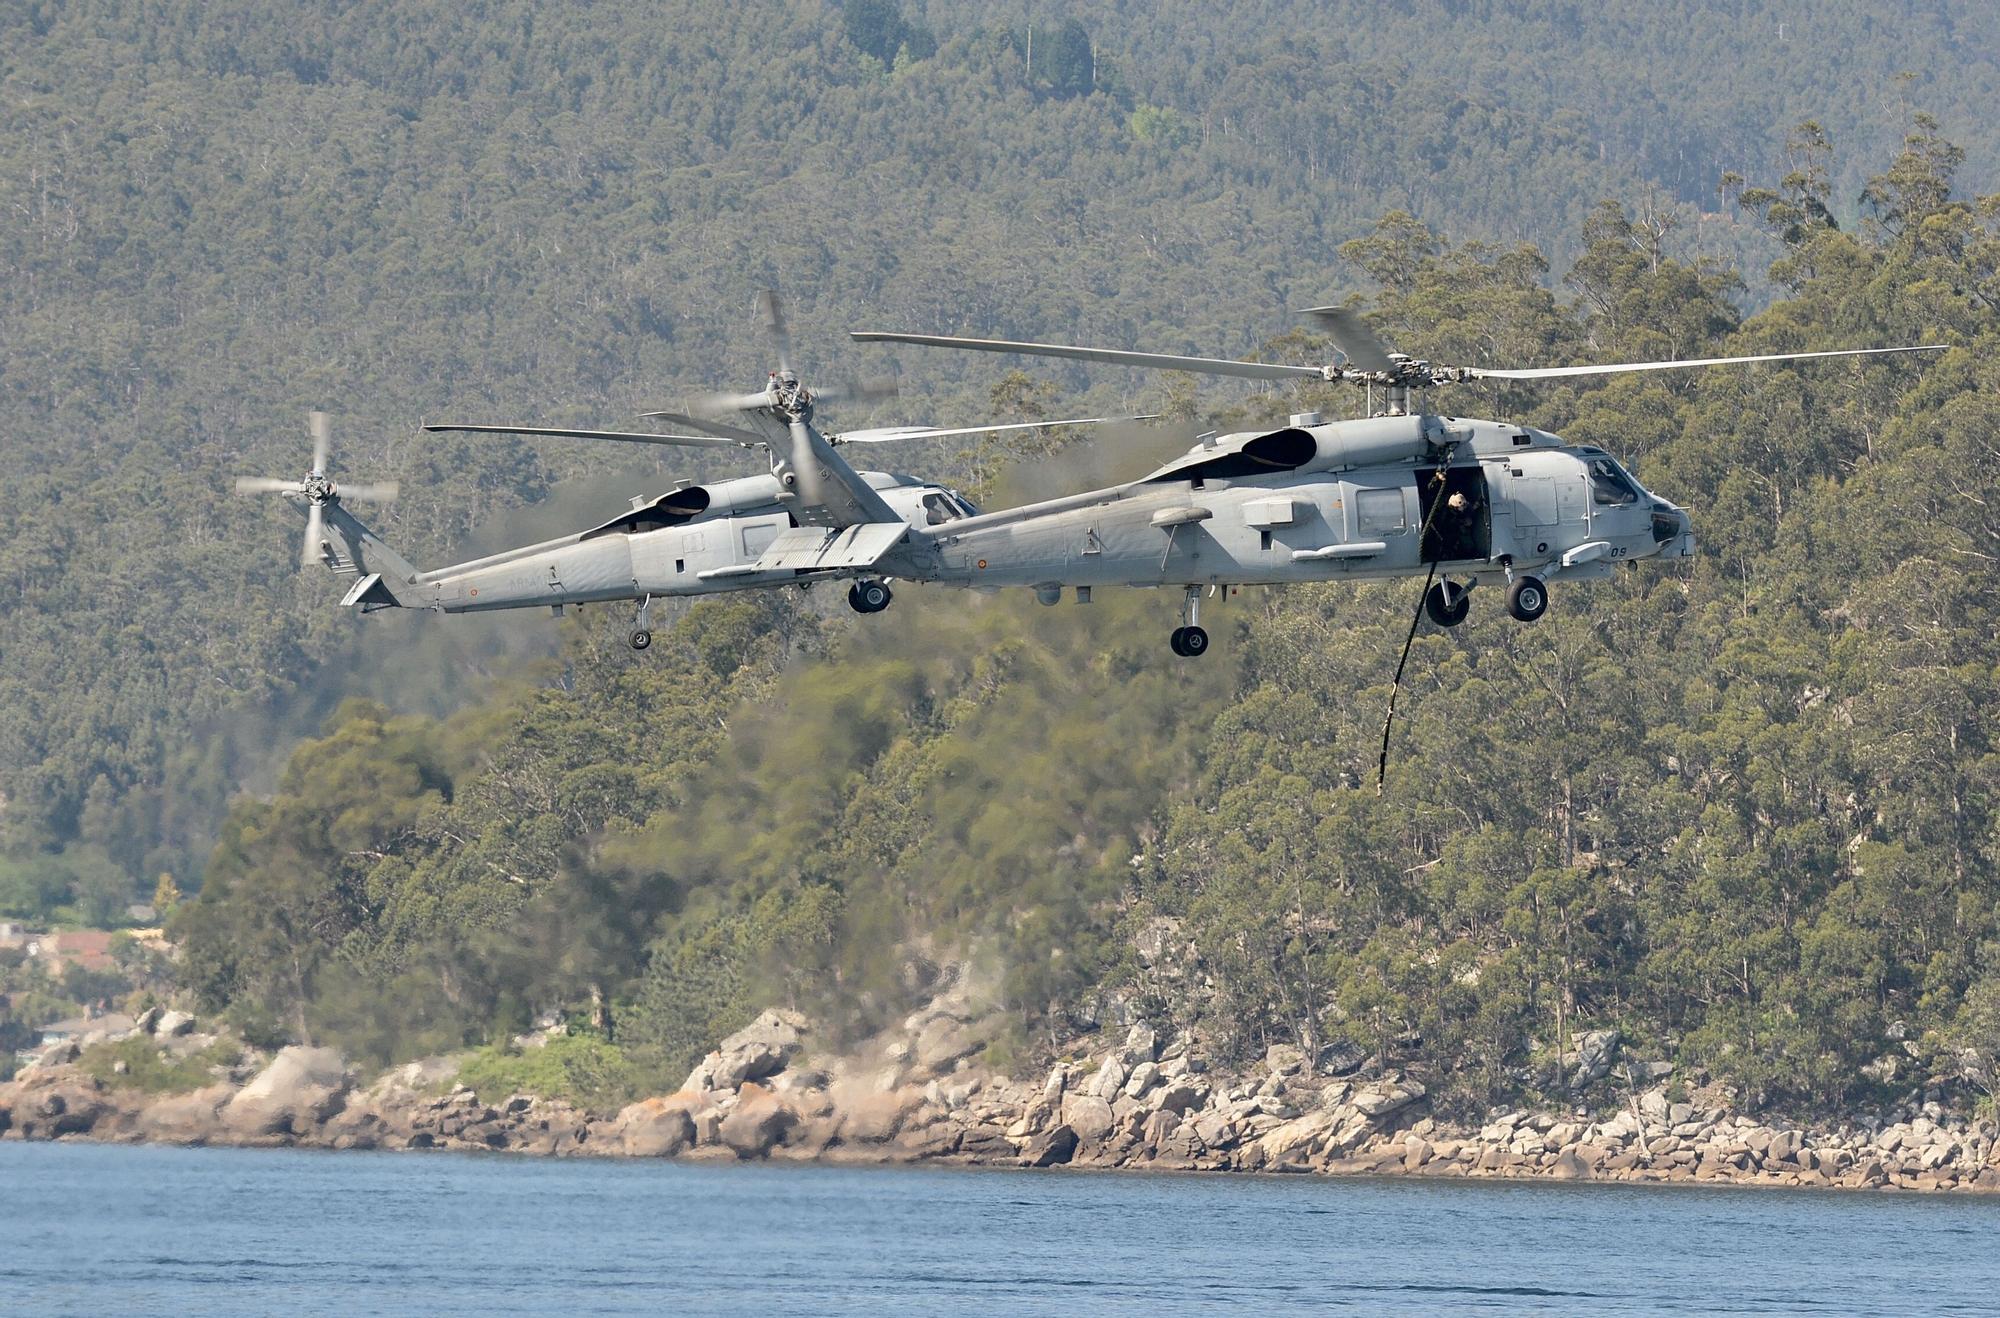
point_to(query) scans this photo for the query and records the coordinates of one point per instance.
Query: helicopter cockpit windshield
(1610, 487)
(941, 507)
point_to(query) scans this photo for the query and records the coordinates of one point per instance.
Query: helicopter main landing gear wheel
(869, 596)
(642, 626)
(1189, 641)
(1527, 598)
(640, 638)
(1447, 603)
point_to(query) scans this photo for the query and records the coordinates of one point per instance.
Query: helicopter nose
(1673, 530)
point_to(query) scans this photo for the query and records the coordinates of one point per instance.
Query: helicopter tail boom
(387, 579)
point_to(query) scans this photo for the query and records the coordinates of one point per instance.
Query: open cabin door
(1461, 528)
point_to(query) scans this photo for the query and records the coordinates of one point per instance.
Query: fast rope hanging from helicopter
(1396, 685)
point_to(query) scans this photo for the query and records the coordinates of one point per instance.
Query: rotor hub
(318, 487)
(794, 399)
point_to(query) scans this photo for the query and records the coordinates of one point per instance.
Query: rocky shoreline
(920, 1094)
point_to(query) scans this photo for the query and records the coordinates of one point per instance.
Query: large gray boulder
(1051, 1148)
(1215, 1130)
(758, 1124)
(1594, 1052)
(758, 1050)
(1110, 1079)
(1159, 1127)
(654, 1128)
(66, 1107)
(185, 1118)
(1379, 1101)
(875, 1117)
(1570, 1166)
(299, 1089)
(1088, 1115)
(1180, 1096)
(1142, 1045)
(1144, 1076)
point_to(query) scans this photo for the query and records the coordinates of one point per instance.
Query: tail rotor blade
(804, 458)
(716, 407)
(322, 433)
(309, 551)
(771, 313)
(873, 390)
(267, 485)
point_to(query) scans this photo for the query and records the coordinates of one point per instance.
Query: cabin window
(1379, 512)
(1610, 487)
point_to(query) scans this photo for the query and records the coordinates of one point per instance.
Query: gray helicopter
(1461, 502)
(811, 517)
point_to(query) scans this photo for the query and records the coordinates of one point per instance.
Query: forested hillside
(219, 216)
(1741, 809)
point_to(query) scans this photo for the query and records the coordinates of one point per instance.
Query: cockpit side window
(938, 509)
(1610, 487)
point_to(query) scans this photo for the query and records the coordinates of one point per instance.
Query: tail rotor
(316, 490)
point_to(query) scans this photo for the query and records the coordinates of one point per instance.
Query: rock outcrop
(298, 1090)
(757, 1051)
(920, 1092)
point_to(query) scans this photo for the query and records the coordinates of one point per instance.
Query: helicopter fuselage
(1385, 497)
(1369, 499)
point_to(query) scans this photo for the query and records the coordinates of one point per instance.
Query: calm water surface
(98, 1229)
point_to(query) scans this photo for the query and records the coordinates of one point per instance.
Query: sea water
(90, 1229)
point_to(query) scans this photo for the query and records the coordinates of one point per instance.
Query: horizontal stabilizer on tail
(824, 548)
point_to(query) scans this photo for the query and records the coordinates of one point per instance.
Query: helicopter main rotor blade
(1351, 334)
(371, 491)
(716, 428)
(309, 548)
(1560, 372)
(890, 434)
(623, 436)
(322, 433)
(861, 391)
(772, 313)
(1113, 356)
(268, 485)
(719, 405)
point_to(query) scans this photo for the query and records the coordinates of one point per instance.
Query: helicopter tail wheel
(1447, 604)
(1189, 642)
(1527, 598)
(640, 638)
(869, 596)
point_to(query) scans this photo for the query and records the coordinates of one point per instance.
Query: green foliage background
(1742, 809)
